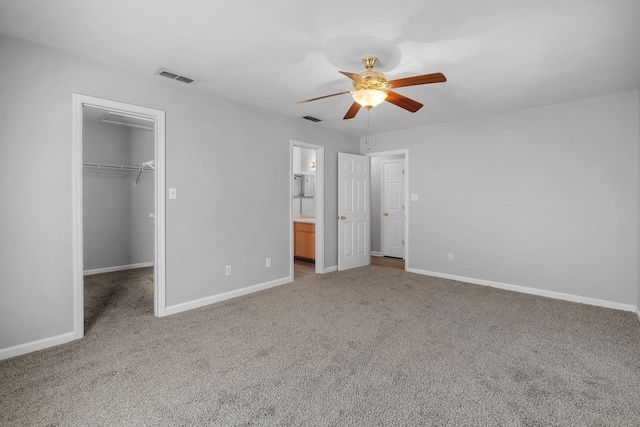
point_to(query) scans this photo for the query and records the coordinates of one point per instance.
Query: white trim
(291, 188)
(319, 210)
(528, 290)
(30, 347)
(160, 250)
(375, 253)
(158, 117)
(179, 308)
(330, 269)
(319, 202)
(117, 268)
(638, 313)
(77, 236)
(407, 202)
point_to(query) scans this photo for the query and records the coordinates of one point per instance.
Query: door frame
(407, 209)
(383, 192)
(319, 209)
(79, 101)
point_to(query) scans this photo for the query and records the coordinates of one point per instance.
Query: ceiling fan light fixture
(369, 98)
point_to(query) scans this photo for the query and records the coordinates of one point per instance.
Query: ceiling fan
(372, 88)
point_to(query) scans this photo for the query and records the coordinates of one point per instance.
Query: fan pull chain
(366, 137)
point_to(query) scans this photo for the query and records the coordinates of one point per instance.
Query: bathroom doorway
(306, 208)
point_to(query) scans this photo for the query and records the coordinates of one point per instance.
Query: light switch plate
(173, 193)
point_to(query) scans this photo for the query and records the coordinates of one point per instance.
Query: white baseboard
(117, 268)
(29, 347)
(179, 308)
(331, 269)
(638, 312)
(532, 291)
(374, 253)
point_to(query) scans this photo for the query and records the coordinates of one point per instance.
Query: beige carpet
(370, 346)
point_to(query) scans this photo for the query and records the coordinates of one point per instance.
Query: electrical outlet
(228, 270)
(414, 197)
(268, 263)
(450, 256)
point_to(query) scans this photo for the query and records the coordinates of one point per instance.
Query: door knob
(343, 217)
(386, 214)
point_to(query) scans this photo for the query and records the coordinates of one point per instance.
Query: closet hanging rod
(142, 166)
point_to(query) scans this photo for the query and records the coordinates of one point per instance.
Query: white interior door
(354, 220)
(393, 209)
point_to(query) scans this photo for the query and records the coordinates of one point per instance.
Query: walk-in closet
(118, 212)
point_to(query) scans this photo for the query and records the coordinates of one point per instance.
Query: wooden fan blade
(353, 76)
(419, 80)
(403, 102)
(353, 110)
(322, 97)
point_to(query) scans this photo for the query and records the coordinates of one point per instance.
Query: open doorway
(119, 209)
(389, 208)
(307, 209)
(118, 167)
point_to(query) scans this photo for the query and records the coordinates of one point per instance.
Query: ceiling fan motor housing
(371, 80)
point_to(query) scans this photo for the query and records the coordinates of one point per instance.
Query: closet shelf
(144, 166)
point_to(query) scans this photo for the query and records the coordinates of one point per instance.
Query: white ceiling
(498, 55)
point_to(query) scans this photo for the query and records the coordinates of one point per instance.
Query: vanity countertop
(306, 219)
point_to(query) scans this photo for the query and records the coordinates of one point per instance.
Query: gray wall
(142, 241)
(117, 227)
(305, 205)
(545, 198)
(215, 148)
(307, 155)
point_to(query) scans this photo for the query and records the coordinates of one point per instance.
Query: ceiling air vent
(175, 76)
(313, 119)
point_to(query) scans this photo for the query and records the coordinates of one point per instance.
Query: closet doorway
(390, 208)
(118, 168)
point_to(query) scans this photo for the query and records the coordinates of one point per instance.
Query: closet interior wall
(117, 226)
